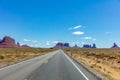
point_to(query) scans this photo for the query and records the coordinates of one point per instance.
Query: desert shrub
(2, 57)
(111, 57)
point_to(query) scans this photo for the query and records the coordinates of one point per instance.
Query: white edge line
(77, 67)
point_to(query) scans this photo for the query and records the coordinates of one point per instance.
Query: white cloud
(78, 33)
(73, 43)
(26, 40)
(31, 45)
(89, 38)
(76, 27)
(83, 43)
(54, 42)
(34, 45)
(47, 43)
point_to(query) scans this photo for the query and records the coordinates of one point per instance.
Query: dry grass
(15, 55)
(105, 61)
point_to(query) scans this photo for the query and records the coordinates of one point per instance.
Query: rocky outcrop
(25, 46)
(86, 46)
(66, 45)
(18, 44)
(62, 45)
(115, 46)
(8, 42)
(76, 46)
(94, 46)
(89, 46)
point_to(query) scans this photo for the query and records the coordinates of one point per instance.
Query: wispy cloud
(82, 42)
(47, 43)
(78, 33)
(94, 39)
(75, 43)
(89, 38)
(54, 42)
(32, 43)
(35, 41)
(26, 40)
(76, 27)
(108, 32)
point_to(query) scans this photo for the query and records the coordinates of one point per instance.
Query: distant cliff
(89, 46)
(62, 45)
(66, 45)
(8, 42)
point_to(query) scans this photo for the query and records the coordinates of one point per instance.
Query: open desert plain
(104, 61)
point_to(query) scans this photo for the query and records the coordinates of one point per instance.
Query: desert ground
(104, 61)
(14, 55)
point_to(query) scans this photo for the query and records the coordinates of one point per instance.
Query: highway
(52, 66)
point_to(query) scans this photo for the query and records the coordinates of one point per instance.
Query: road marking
(77, 67)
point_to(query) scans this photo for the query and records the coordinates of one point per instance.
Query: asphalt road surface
(52, 66)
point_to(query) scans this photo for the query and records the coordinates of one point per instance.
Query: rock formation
(8, 42)
(18, 44)
(25, 46)
(76, 46)
(62, 45)
(115, 46)
(89, 46)
(86, 46)
(94, 46)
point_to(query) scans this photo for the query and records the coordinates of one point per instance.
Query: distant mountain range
(8, 42)
(66, 45)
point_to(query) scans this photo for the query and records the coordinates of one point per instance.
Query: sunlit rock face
(8, 42)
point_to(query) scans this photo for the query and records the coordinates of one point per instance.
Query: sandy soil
(12, 56)
(104, 61)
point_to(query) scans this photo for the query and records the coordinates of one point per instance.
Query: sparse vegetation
(104, 61)
(14, 55)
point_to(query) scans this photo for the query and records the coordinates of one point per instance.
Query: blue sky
(42, 23)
